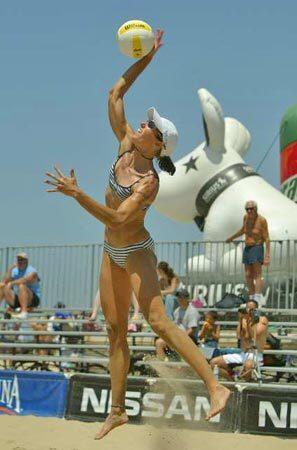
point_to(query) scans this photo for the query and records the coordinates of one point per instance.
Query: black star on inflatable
(191, 164)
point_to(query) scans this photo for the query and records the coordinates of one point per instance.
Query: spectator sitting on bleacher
(60, 314)
(210, 332)
(42, 339)
(252, 331)
(20, 287)
(49, 326)
(186, 317)
(169, 283)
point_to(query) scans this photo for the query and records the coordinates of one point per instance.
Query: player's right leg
(115, 294)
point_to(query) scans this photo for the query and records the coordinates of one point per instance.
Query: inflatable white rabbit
(211, 186)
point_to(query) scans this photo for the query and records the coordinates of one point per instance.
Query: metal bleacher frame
(83, 362)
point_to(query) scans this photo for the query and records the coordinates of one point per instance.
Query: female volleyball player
(129, 262)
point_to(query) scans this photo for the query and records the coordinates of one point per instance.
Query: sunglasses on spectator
(21, 260)
(250, 208)
(151, 124)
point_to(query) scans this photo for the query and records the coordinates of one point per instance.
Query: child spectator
(210, 332)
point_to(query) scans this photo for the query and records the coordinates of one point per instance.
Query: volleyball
(135, 38)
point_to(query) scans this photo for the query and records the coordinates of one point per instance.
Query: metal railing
(69, 274)
(19, 346)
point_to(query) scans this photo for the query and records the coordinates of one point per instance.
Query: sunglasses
(249, 209)
(21, 260)
(151, 124)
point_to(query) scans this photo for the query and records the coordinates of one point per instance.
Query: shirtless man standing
(256, 234)
(252, 332)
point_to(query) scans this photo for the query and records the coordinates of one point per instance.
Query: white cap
(22, 255)
(167, 128)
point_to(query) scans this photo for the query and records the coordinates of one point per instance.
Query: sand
(34, 433)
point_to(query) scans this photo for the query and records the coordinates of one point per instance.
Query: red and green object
(288, 149)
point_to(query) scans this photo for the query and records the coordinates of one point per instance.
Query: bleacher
(78, 345)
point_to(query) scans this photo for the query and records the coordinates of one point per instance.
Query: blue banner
(33, 393)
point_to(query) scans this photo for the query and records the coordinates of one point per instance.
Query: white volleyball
(135, 38)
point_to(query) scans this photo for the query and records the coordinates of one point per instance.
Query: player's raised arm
(116, 109)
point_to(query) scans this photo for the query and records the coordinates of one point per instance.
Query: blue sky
(58, 60)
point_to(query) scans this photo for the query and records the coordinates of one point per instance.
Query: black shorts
(33, 303)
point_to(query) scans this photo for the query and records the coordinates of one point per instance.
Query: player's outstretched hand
(61, 183)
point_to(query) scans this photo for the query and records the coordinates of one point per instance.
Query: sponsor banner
(268, 411)
(32, 393)
(176, 403)
(211, 293)
(89, 398)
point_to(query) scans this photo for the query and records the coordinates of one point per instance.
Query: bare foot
(112, 421)
(218, 401)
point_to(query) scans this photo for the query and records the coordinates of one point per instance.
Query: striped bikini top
(123, 192)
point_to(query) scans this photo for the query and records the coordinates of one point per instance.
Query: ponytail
(165, 163)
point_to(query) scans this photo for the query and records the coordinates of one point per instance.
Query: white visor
(168, 130)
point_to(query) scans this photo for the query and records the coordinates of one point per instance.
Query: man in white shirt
(186, 317)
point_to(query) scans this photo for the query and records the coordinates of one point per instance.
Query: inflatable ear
(237, 136)
(213, 120)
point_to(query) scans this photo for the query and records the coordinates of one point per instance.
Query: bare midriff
(255, 230)
(129, 234)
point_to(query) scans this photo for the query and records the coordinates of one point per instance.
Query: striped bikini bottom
(120, 255)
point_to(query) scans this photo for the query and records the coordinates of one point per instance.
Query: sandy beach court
(34, 433)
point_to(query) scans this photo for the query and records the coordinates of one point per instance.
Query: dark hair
(182, 293)
(253, 301)
(60, 305)
(163, 265)
(213, 314)
(166, 164)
